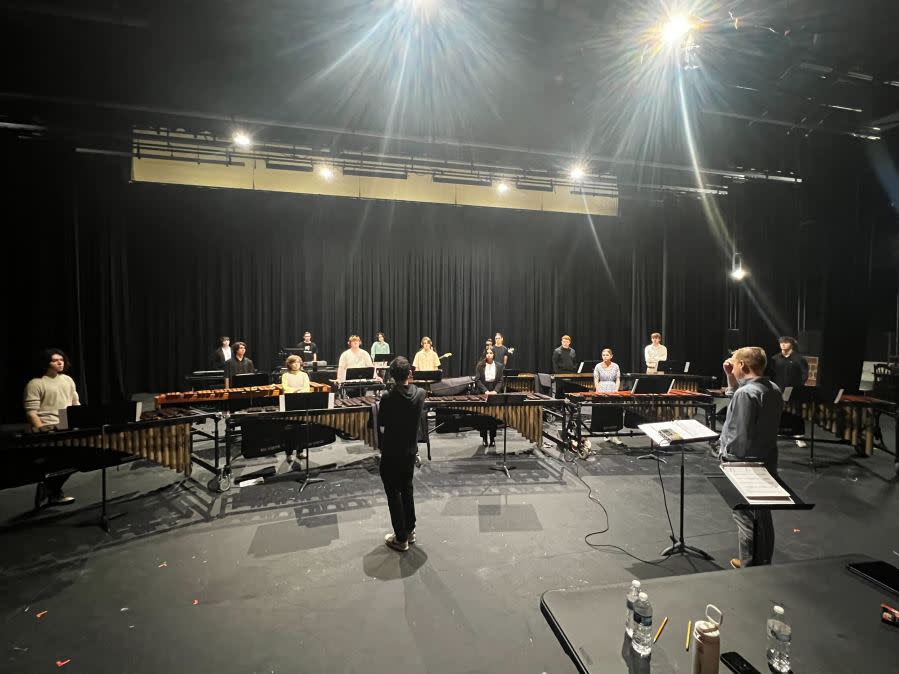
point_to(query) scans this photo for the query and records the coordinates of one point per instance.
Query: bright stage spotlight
(577, 173)
(676, 29)
(241, 139)
(326, 172)
(737, 272)
(502, 187)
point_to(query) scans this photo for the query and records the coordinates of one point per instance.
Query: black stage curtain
(137, 281)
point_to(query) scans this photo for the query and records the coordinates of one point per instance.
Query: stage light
(577, 173)
(737, 272)
(326, 172)
(502, 187)
(241, 139)
(676, 29)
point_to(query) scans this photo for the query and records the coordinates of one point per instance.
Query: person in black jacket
(399, 416)
(222, 354)
(564, 357)
(489, 379)
(239, 364)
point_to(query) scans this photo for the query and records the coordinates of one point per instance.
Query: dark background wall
(137, 281)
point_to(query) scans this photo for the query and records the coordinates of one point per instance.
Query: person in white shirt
(353, 357)
(44, 397)
(655, 352)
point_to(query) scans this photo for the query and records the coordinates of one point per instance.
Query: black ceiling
(566, 76)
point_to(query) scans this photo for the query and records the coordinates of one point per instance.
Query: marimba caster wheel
(220, 483)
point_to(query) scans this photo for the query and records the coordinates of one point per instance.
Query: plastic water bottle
(780, 634)
(641, 642)
(632, 594)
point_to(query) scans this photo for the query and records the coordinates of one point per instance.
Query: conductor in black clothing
(399, 416)
(489, 379)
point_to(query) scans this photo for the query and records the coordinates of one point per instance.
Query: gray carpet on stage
(263, 579)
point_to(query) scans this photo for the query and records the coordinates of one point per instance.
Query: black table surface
(834, 614)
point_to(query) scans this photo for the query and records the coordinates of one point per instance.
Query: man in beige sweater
(44, 397)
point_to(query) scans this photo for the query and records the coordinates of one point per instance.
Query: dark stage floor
(263, 580)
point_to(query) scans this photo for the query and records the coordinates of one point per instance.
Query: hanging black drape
(137, 281)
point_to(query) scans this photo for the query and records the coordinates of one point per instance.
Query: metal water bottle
(707, 642)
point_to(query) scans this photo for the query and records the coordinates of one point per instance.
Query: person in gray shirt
(750, 434)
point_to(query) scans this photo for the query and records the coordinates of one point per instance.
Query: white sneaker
(391, 542)
(801, 443)
(411, 539)
(616, 441)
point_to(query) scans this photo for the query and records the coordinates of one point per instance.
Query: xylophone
(663, 407)
(525, 415)
(223, 395)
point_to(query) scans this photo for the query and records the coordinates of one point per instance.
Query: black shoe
(60, 499)
(492, 442)
(40, 495)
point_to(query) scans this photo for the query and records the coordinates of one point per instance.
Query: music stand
(588, 366)
(304, 402)
(657, 434)
(652, 384)
(505, 400)
(671, 366)
(386, 358)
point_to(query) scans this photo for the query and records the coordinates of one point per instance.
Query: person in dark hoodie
(399, 416)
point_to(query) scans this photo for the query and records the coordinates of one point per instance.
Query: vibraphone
(221, 397)
(571, 382)
(675, 404)
(349, 415)
(523, 382)
(682, 382)
(525, 415)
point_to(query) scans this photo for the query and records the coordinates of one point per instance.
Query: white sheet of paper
(755, 483)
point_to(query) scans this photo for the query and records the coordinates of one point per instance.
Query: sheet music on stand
(755, 483)
(680, 431)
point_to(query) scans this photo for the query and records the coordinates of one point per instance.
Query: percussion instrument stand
(678, 545)
(105, 519)
(502, 465)
(308, 480)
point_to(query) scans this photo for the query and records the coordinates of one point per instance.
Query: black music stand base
(678, 545)
(502, 465)
(308, 481)
(105, 519)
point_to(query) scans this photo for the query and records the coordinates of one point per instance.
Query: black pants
(756, 543)
(396, 474)
(54, 483)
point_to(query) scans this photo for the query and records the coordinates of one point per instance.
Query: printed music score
(679, 431)
(755, 483)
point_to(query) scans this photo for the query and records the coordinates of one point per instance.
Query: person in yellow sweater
(426, 359)
(295, 380)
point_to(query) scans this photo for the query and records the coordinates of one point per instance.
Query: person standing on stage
(564, 357)
(310, 350)
(239, 364)
(222, 354)
(426, 359)
(606, 374)
(295, 380)
(500, 352)
(489, 380)
(750, 434)
(788, 368)
(654, 352)
(399, 417)
(380, 347)
(353, 357)
(44, 397)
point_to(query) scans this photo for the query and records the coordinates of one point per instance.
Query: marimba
(856, 419)
(221, 397)
(523, 382)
